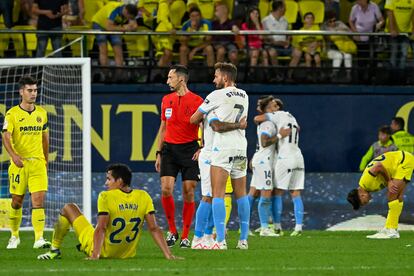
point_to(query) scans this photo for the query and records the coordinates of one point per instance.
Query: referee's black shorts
(177, 158)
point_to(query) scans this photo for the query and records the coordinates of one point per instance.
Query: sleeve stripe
(213, 119)
(151, 213)
(265, 133)
(103, 213)
(201, 110)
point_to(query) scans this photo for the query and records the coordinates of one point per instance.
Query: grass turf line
(315, 252)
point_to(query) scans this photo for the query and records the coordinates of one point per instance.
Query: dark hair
(121, 171)
(229, 69)
(264, 102)
(181, 70)
(132, 9)
(329, 15)
(309, 13)
(353, 198)
(194, 9)
(26, 80)
(279, 103)
(249, 22)
(399, 121)
(277, 5)
(385, 129)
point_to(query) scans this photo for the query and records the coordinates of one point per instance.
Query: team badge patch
(168, 113)
(39, 119)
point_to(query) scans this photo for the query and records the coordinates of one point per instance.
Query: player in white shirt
(263, 164)
(289, 169)
(203, 223)
(229, 156)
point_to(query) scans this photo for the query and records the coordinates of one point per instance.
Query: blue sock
(219, 216)
(251, 199)
(298, 208)
(210, 224)
(243, 208)
(201, 220)
(277, 209)
(264, 211)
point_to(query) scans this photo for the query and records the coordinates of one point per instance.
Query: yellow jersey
(111, 11)
(126, 216)
(398, 164)
(403, 12)
(26, 130)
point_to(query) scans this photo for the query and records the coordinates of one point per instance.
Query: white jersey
(208, 132)
(229, 104)
(283, 119)
(264, 154)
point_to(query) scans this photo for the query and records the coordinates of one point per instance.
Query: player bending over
(392, 170)
(121, 214)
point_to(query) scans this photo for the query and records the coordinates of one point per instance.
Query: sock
(277, 207)
(219, 215)
(243, 209)
(251, 201)
(210, 224)
(38, 222)
(188, 214)
(394, 211)
(15, 219)
(264, 211)
(298, 208)
(62, 227)
(227, 203)
(202, 216)
(169, 210)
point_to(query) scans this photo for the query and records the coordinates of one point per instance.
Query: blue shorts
(100, 39)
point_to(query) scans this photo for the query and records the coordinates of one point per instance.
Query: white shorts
(262, 178)
(233, 161)
(204, 160)
(290, 172)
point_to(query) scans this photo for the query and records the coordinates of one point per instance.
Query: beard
(220, 85)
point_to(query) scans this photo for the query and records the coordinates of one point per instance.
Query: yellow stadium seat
(316, 7)
(178, 9)
(265, 7)
(291, 14)
(91, 7)
(76, 47)
(4, 42)
(137, 45)
(31, 41)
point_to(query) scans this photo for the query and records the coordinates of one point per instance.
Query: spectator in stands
(76, 12)
(255, 42)
(402, 139)
(27, 17)
(277, 45)
(332, 5)
(148, 8)
(365, 17)
(192, 44)
(310, 45)
(114, 16)
(339, 47)
(383, 145)
(50, 19)
(169, 16)
(6, 9)
(400, 19)
(206, 7)
(224, 44)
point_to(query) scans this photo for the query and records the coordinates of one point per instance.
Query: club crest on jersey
(39, 119)
(168, 113)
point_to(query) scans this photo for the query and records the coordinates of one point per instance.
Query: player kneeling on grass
(121, 214)
(392, 170)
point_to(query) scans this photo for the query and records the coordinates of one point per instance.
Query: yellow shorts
(33, 175)
(164, 43)
(84, 231)
(229, 187)
(405, 169)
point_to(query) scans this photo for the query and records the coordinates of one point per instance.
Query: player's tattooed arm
(269, 140)
(220, 127)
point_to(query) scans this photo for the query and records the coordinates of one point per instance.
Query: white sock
(277, 226)
(298, 227)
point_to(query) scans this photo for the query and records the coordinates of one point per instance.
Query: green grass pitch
(315, 252)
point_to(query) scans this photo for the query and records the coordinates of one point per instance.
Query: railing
(374, 68)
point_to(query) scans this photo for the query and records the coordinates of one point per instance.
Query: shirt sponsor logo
(30, 128)
(168, 113)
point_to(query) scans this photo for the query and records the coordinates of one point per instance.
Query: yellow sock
(62, 227)
(394, 212)
(15, 219)
(38, 222)
(227, 204)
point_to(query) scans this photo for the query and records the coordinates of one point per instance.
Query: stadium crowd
(329, 51)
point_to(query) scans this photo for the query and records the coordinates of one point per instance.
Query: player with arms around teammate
(26, 139)
(289, 167)
(229, 150)
(121, 214)
(178, 151)
(392, 170)
(263, 161)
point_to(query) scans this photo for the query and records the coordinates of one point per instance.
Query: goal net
(64, 91)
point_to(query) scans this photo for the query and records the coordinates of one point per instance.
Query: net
(64, 91)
